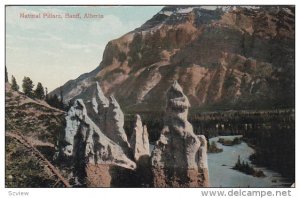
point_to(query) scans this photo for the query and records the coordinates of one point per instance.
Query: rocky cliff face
(105, 113)
(179, 157)
(89, 151)
(115, 122)
(139, 140)
(82, 134)
(140, 146)
(233, 56)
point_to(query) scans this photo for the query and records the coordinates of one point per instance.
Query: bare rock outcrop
(88, 149)
(179, 156)
(105, 158)
(106, 114)
(100, 105)
(139, 140)
(202, 164)
(140, 146)
(188, 44)
(115, 123)
(96, 104)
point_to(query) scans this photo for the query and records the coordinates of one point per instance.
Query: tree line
(39, 92)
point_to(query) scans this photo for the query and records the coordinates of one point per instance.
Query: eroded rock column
(139, 143)
(178, 159)
(95, 159)
(139, 140)
(115, 123)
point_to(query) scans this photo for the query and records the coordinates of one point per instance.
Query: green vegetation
(135, 47)
(144, 51)
(230, 81)
(32, 119)
(154, 125)
(8, 94)
(228, 142)
(247, 169)
(6, 75)
(54, 101)
(23, 169)
(14, 84)
(122, 57)
(39, 91)
(213, 148)
(274, 147)
(28, 87)
(270, 132)
(57, 102)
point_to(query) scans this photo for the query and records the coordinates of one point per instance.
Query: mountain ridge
(232, 57)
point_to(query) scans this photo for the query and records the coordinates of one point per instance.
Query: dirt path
(38, 154)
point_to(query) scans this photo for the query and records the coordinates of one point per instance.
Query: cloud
(13, 17)
(37, 38)
(107, 25)
(43, 48)
(111, 27)
(52, 37)
(82, 47)
(14, 20)
(73, 46)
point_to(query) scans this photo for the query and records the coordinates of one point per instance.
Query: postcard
(150, 96)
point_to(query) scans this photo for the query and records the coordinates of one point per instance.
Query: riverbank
(222, 175)
(274, 148)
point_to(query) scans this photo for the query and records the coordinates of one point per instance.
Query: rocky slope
(238, 57)
(39, 125)
(33, 118)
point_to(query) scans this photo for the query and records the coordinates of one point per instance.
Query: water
(221, 173)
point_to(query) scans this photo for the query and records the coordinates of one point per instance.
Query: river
(221, 173)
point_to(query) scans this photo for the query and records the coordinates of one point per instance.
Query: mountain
(225, 57)
(31, 131)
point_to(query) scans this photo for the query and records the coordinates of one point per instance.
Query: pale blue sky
(53, 51)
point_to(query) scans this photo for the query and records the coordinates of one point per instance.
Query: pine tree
(56, 102)
(46, 93)
(208, 143)
(239, 160)
(14, 84)
(6, 75)
(27, 86)
(61, 95)
(39, 91)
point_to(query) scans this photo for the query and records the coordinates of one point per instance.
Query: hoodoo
(179, 157)
(96, 160)
(140, 140)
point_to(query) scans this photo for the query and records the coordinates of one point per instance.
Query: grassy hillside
(39, 125)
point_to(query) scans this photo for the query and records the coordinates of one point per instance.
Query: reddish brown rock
(98, 175)
(208, 51)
